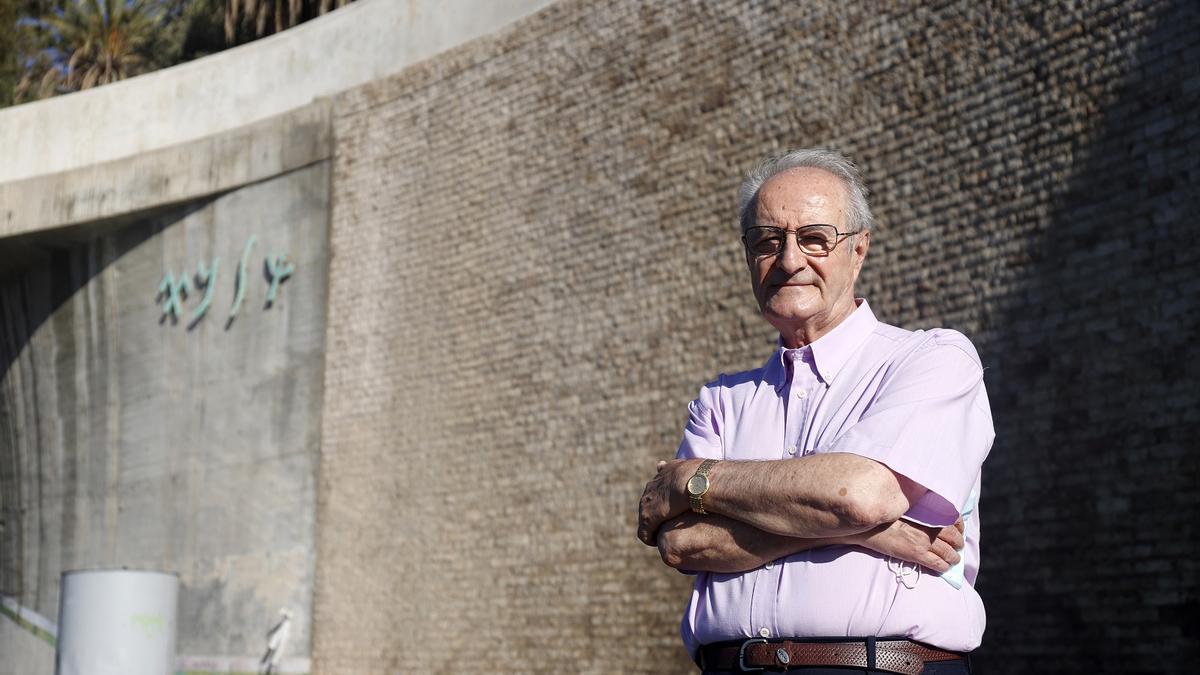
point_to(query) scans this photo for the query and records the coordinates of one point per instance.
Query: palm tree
(59, 46)
(21, 41)
(106, 39)
(9, 60)
(89, 43)
(247, 20)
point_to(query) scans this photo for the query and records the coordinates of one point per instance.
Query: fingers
(649, 512)
(646, 536)
(952, 535)
(944, 557)
(646, 533)
(654, 506)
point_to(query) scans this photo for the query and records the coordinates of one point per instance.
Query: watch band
(697, 498)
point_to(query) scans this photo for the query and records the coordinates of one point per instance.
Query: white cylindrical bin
(116, 622)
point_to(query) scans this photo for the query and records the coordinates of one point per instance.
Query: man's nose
(790, 258)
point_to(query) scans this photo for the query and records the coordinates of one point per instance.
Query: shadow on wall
(1090, 553)
(41, 272)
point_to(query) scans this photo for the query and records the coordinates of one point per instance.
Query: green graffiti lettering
(206, 278)
(240, 293)
(174, 291)
(279, 269)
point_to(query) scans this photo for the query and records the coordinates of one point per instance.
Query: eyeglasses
(817, 241)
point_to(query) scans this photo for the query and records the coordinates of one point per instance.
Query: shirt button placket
(801, 413)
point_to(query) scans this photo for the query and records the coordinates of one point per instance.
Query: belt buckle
(741, 662)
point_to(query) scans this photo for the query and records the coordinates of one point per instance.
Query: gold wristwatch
(698, 485)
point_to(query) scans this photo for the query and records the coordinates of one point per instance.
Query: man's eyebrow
(761, 223)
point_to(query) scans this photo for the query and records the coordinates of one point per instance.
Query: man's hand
(713, 543)
(932, 547)
(664, 498)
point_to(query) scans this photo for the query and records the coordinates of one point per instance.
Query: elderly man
(822, 500)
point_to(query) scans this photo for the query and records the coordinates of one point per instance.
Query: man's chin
(793, 301)
(788, 314)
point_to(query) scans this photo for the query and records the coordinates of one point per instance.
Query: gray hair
(858, 210)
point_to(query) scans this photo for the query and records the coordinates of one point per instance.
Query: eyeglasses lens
(813, 239)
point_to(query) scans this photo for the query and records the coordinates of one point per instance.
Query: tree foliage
(247, 20)
(9, 72)
(102, 41)
(50, 47)
(18, 40)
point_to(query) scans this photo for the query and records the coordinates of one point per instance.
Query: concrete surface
(22, 653)
(135, 439)
(358, 43)
(25, 647)
(166, 176)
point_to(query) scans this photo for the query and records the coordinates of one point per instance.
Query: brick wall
(535, 266)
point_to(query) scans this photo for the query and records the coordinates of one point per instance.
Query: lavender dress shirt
(914, 401)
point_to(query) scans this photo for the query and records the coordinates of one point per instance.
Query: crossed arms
(760, 511)
(929, 420)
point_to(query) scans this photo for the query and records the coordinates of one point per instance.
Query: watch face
(697, 485)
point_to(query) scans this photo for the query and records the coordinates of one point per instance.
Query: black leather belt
(893, 655)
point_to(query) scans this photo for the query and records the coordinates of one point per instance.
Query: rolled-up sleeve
(702, 435)
(931, 423)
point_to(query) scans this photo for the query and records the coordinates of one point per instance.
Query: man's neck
(818, 326)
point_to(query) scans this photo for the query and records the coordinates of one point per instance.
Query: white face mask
(954, 575)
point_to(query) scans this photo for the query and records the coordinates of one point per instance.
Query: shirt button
(764, 632)
(769, 565)
(802, 394)
(791, 449)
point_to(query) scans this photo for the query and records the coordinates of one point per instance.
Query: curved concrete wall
(183, 440)
(132, 438)
(361, 42)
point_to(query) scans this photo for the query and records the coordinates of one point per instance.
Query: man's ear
(862, 242)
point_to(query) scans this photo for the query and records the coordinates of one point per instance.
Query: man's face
(801, 295)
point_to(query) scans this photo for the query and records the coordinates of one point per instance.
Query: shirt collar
(830, 352)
